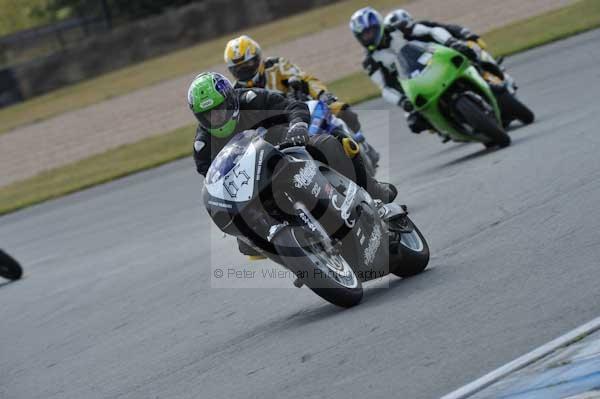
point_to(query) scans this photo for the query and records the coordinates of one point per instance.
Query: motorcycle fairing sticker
(374, 243)
(261, 155)
(316, 190)
(305, 175)
(238, 184)
(347, 204)
(307, 220)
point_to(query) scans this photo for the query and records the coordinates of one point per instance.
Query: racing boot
(417, 122)
(247, 250)
(385, 192)
(368, 150)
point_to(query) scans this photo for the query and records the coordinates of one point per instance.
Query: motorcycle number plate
(238, 184)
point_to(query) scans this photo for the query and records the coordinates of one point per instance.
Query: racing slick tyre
(482, 122)
(412, 248)
(9, 267)
(513, 108)
(328, 275)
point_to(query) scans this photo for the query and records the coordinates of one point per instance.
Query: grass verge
(176, 64)
(154, 151)
(101, 168)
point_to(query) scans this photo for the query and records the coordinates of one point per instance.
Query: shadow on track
(465, 158)
(451, 147)
(391, 288)
(397, 289)
(8, 282)
(532, 136)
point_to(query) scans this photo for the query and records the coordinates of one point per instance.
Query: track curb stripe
(524, 361)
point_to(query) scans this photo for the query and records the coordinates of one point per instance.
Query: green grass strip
(581, 16)
(98, 169)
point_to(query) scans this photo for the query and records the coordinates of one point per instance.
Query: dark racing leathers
(270, 110)
(274, 112)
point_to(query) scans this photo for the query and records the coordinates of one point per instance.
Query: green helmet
(214, 102)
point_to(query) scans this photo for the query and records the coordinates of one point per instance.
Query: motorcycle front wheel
(9, 267)
(412, 248)
(327, 274)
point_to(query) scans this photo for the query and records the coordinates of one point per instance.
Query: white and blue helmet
(367, 26)
(398, 19)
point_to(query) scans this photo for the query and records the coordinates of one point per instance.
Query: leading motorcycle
(305, 216)
(451, 93)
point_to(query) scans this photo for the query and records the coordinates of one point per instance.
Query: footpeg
(256, 257)
(392, 210)
(298, 283)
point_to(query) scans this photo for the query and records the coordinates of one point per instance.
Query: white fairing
(238, 184)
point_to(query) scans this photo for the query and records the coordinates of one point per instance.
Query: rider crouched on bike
(223, 111)
(383, 41)
(243, 57)
(419, 30)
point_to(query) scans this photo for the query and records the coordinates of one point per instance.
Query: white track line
(523, 361)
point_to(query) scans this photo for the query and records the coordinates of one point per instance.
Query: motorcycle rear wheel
(513, 108)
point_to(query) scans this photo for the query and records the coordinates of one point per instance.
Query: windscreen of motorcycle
(414, 57)
(231, 174)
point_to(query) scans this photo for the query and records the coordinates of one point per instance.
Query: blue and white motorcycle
(324, 122)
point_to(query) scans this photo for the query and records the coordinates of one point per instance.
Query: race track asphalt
(117, 299)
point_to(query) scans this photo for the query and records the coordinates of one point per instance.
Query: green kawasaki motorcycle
(456, 99)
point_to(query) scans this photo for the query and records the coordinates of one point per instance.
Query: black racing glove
(402, 26)
(416, 122)
(298, 96)
(468, 35)
(327, 98)
(405, 104)
(462, 48)
(297, 135)
(298, 89)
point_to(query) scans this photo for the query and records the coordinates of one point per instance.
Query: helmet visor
(370, 36)
(245, 71)
(216, 117)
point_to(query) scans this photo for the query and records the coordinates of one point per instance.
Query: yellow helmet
(243, 58)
